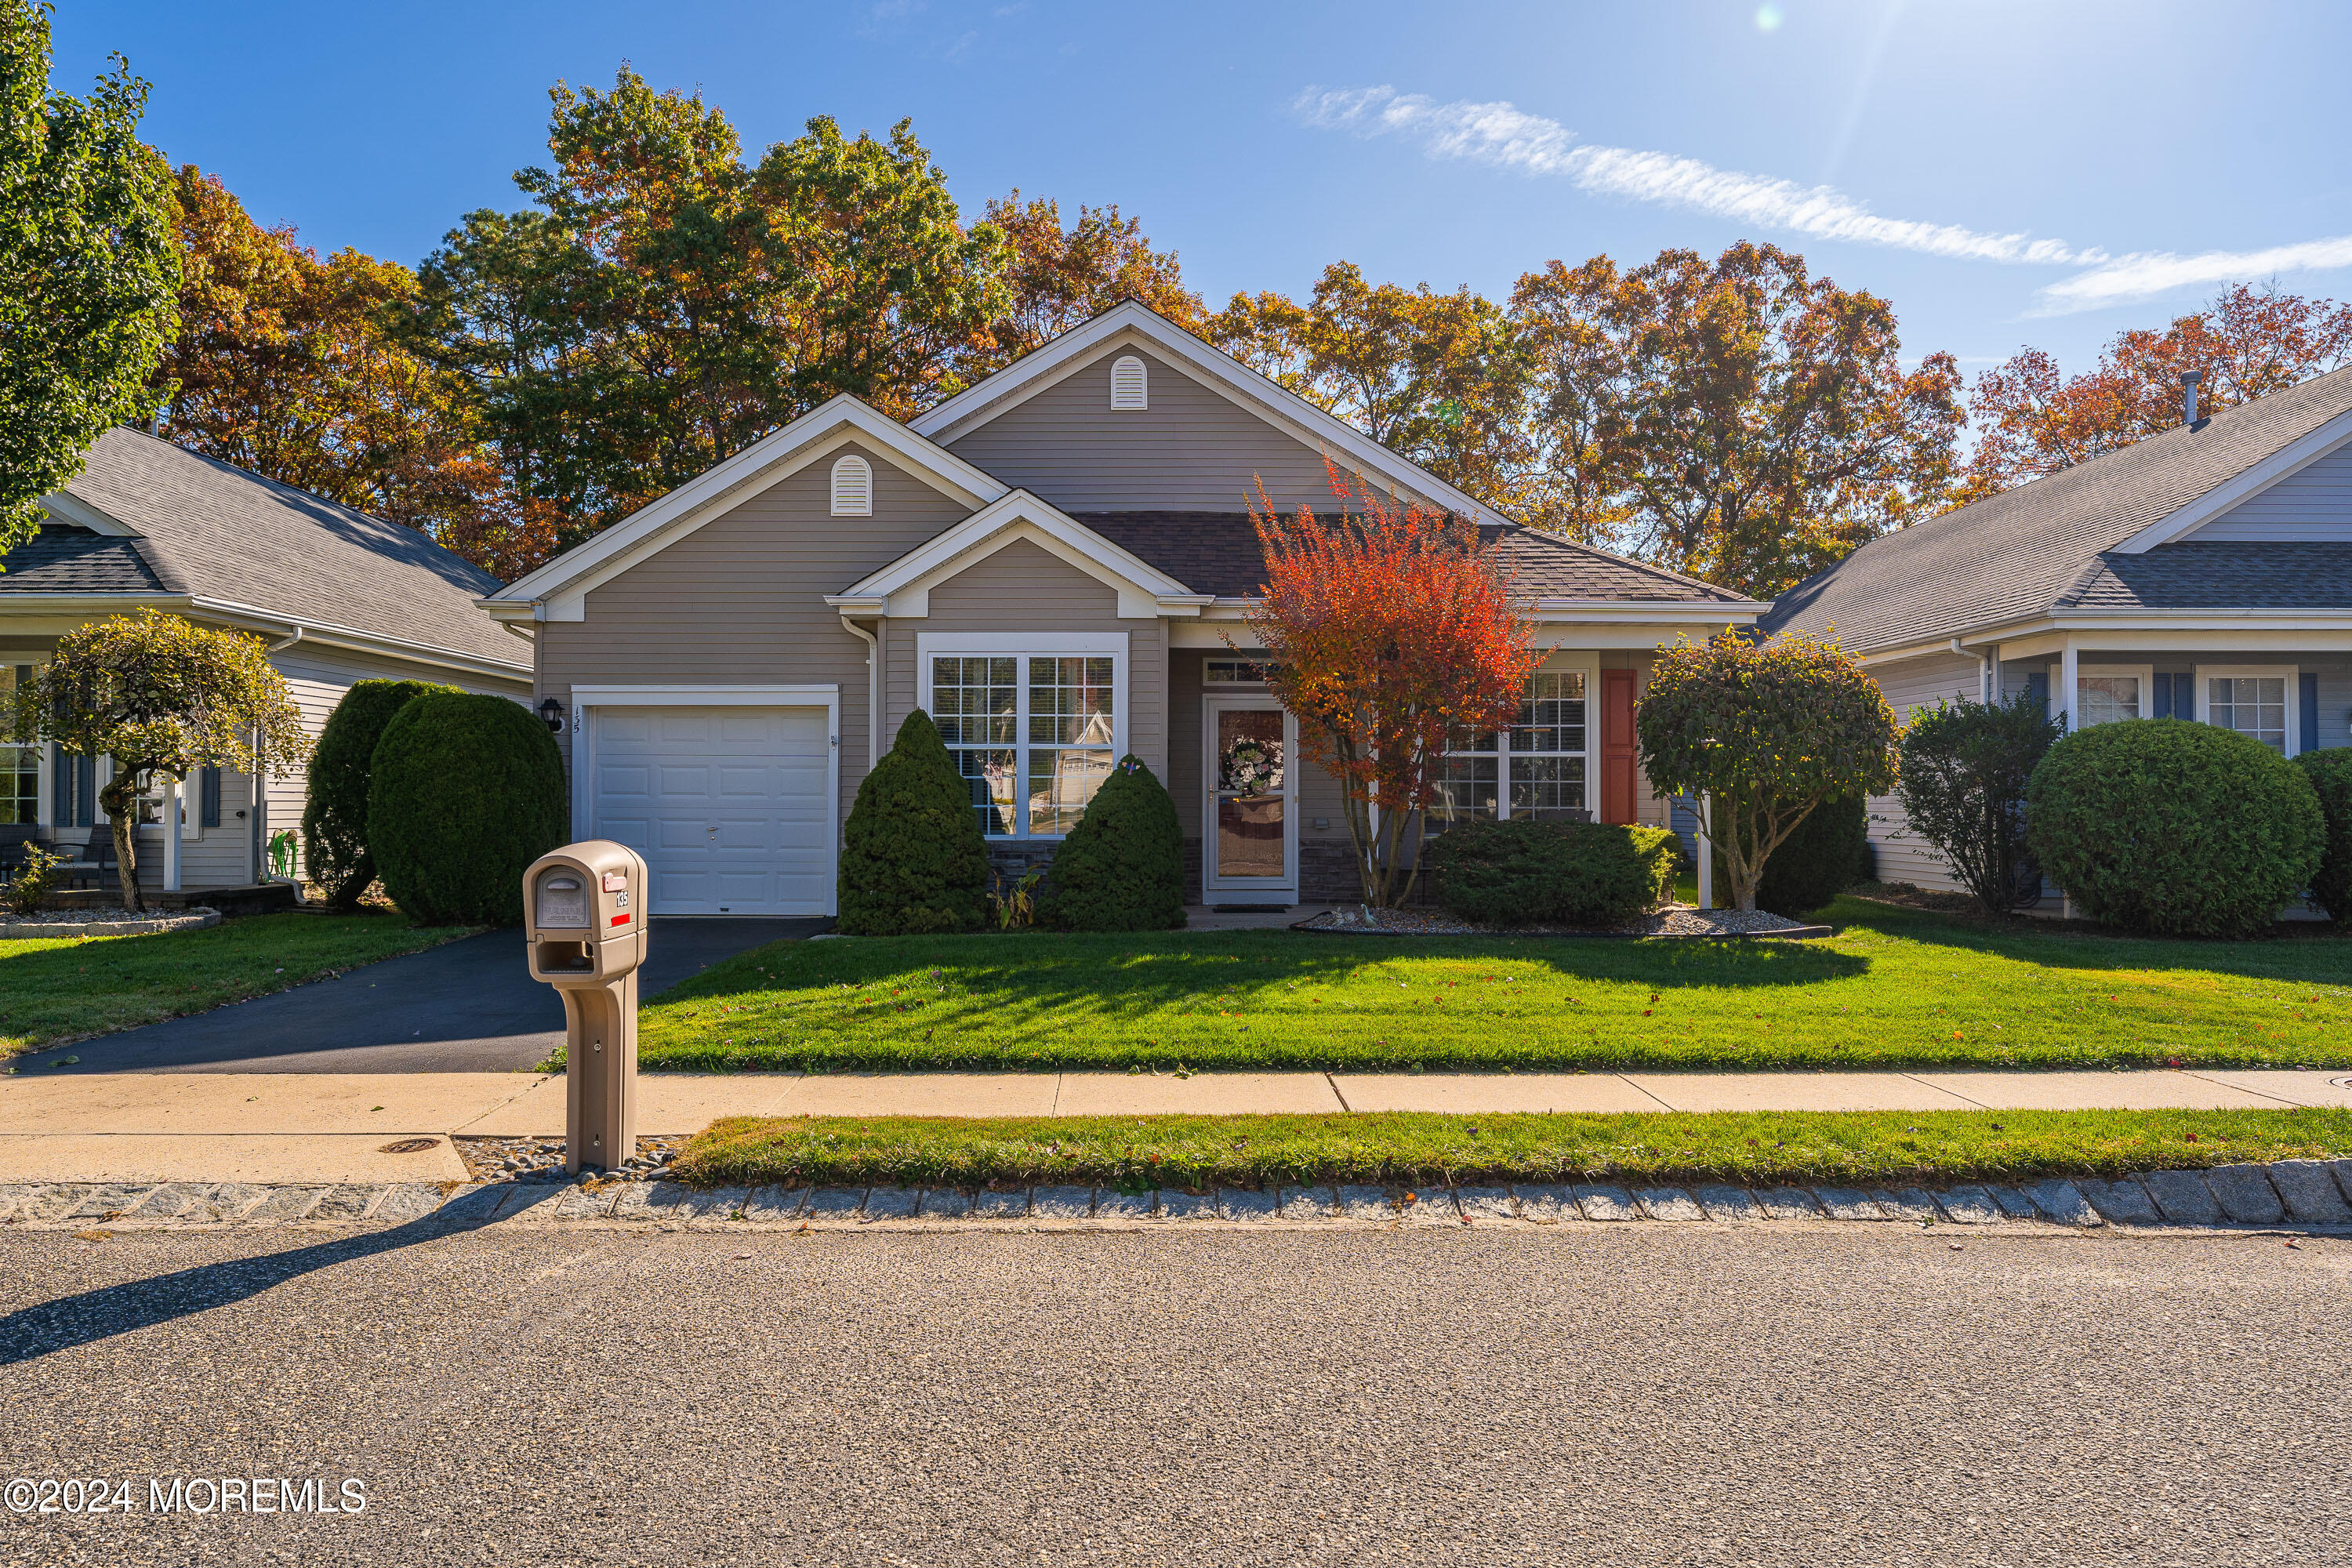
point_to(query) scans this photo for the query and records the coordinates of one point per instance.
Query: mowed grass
(58, 989)
(1892, 988)
(1847, 1148)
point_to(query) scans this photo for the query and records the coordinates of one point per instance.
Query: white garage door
(729, 806)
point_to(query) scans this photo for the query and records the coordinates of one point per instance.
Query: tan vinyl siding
(1023, 587)
(1192, 449)
(2313, 502)
(1908, 685)
(741, 600)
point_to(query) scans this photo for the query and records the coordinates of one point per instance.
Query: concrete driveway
(467, 1006)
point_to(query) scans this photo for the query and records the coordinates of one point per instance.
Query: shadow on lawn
(2321, 957)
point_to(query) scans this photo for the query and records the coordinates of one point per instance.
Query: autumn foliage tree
(1765, 733)
(1057, 278)
(2248, 342)
(1389, 631)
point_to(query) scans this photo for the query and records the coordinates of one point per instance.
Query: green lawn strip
(55, 990)
(1892, 988)
(1843, 1148)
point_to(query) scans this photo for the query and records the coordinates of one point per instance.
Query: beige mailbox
(584, 919)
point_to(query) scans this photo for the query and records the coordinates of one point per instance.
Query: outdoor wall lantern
(552, 711)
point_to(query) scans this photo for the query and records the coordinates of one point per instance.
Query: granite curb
(2306, 1194)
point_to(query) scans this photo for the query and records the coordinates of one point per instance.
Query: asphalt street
(1667, 1394)
(464, 1006)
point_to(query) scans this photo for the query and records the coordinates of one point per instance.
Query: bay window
(1032, 732)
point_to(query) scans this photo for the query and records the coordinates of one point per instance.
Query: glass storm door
(1252, 841)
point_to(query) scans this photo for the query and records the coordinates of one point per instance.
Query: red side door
(1617, 745)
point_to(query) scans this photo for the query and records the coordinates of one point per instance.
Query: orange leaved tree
(1389, 632)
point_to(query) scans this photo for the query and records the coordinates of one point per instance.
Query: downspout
(873, 690)
(1984, 670)
(258, 850)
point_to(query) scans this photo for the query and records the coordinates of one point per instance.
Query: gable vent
(853, 487)
(1128, 385)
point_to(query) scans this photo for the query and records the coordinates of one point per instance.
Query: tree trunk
(120, 800)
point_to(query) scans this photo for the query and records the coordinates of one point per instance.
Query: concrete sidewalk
(349, 1127)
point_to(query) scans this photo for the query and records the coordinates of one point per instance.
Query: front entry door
(1250, 846)
(1616, 745)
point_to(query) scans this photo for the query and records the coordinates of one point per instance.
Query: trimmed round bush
(1122, 866)
(2330, 772)
(334, 816)
(912, 857)
(1524, 872)
(1828, 853)
(2174, 827)
(467, 792)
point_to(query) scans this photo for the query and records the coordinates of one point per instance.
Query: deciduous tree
(2031, 419)
(159, 695)
(1765, 731)
(1737, 419)
(1056, 278)
(87, 273)
(1389, 630)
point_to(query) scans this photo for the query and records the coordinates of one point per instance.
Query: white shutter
(853, 487)
(1128, 387)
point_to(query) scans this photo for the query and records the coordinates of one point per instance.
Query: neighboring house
(2204, 573)
(1054, 564)
(338, 596)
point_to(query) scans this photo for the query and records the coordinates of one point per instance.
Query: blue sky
(2006, 173)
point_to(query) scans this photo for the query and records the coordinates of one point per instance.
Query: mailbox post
(585, 906)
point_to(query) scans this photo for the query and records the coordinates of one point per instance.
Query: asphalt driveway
(467, 1006)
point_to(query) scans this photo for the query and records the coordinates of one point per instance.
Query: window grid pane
(1466, 789)
(2252, 705)
(1538, 771)
(2103, 699)
(20, 785)
(976, 704)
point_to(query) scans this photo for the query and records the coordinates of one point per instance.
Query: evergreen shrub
(467, 792)
(1523, 872)
(912, 857)
(2330, 772)
(1828, 853)
(1123, 867)
(334, 818)
(2174, 827)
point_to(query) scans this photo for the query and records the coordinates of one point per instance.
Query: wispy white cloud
(2138, 276)
(1507, 137)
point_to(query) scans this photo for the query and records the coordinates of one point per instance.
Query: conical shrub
(912, 858)
(1122, 866)
(335, 853)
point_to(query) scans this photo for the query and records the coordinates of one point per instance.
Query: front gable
(902, 589)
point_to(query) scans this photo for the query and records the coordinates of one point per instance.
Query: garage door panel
(731, 806)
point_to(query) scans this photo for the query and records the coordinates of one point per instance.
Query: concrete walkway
(350, 1127)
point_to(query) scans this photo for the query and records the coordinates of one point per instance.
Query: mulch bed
(1679, 920)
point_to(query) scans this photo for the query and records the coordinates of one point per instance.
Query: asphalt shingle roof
(1217, 553)
(2020, 553)
(2219, 574)
(61, 559)
(214, 530)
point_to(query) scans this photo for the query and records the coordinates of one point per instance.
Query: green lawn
(1861, 1148)
(1892, 987)
(55, 989)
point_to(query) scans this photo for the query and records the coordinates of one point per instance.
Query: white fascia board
(811, 695)
(364, 641)
(1263, 396)
(1678, 612)
(65, 603)
(904, 584)
(765, 462)
(2278, 466)
(68, 507)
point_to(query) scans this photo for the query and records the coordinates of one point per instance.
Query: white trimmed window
(2104, 693)
(2259, 700)
(1130, 383)
(20, 765)
(1540, 767)
(1031, 733)
(853, 487)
